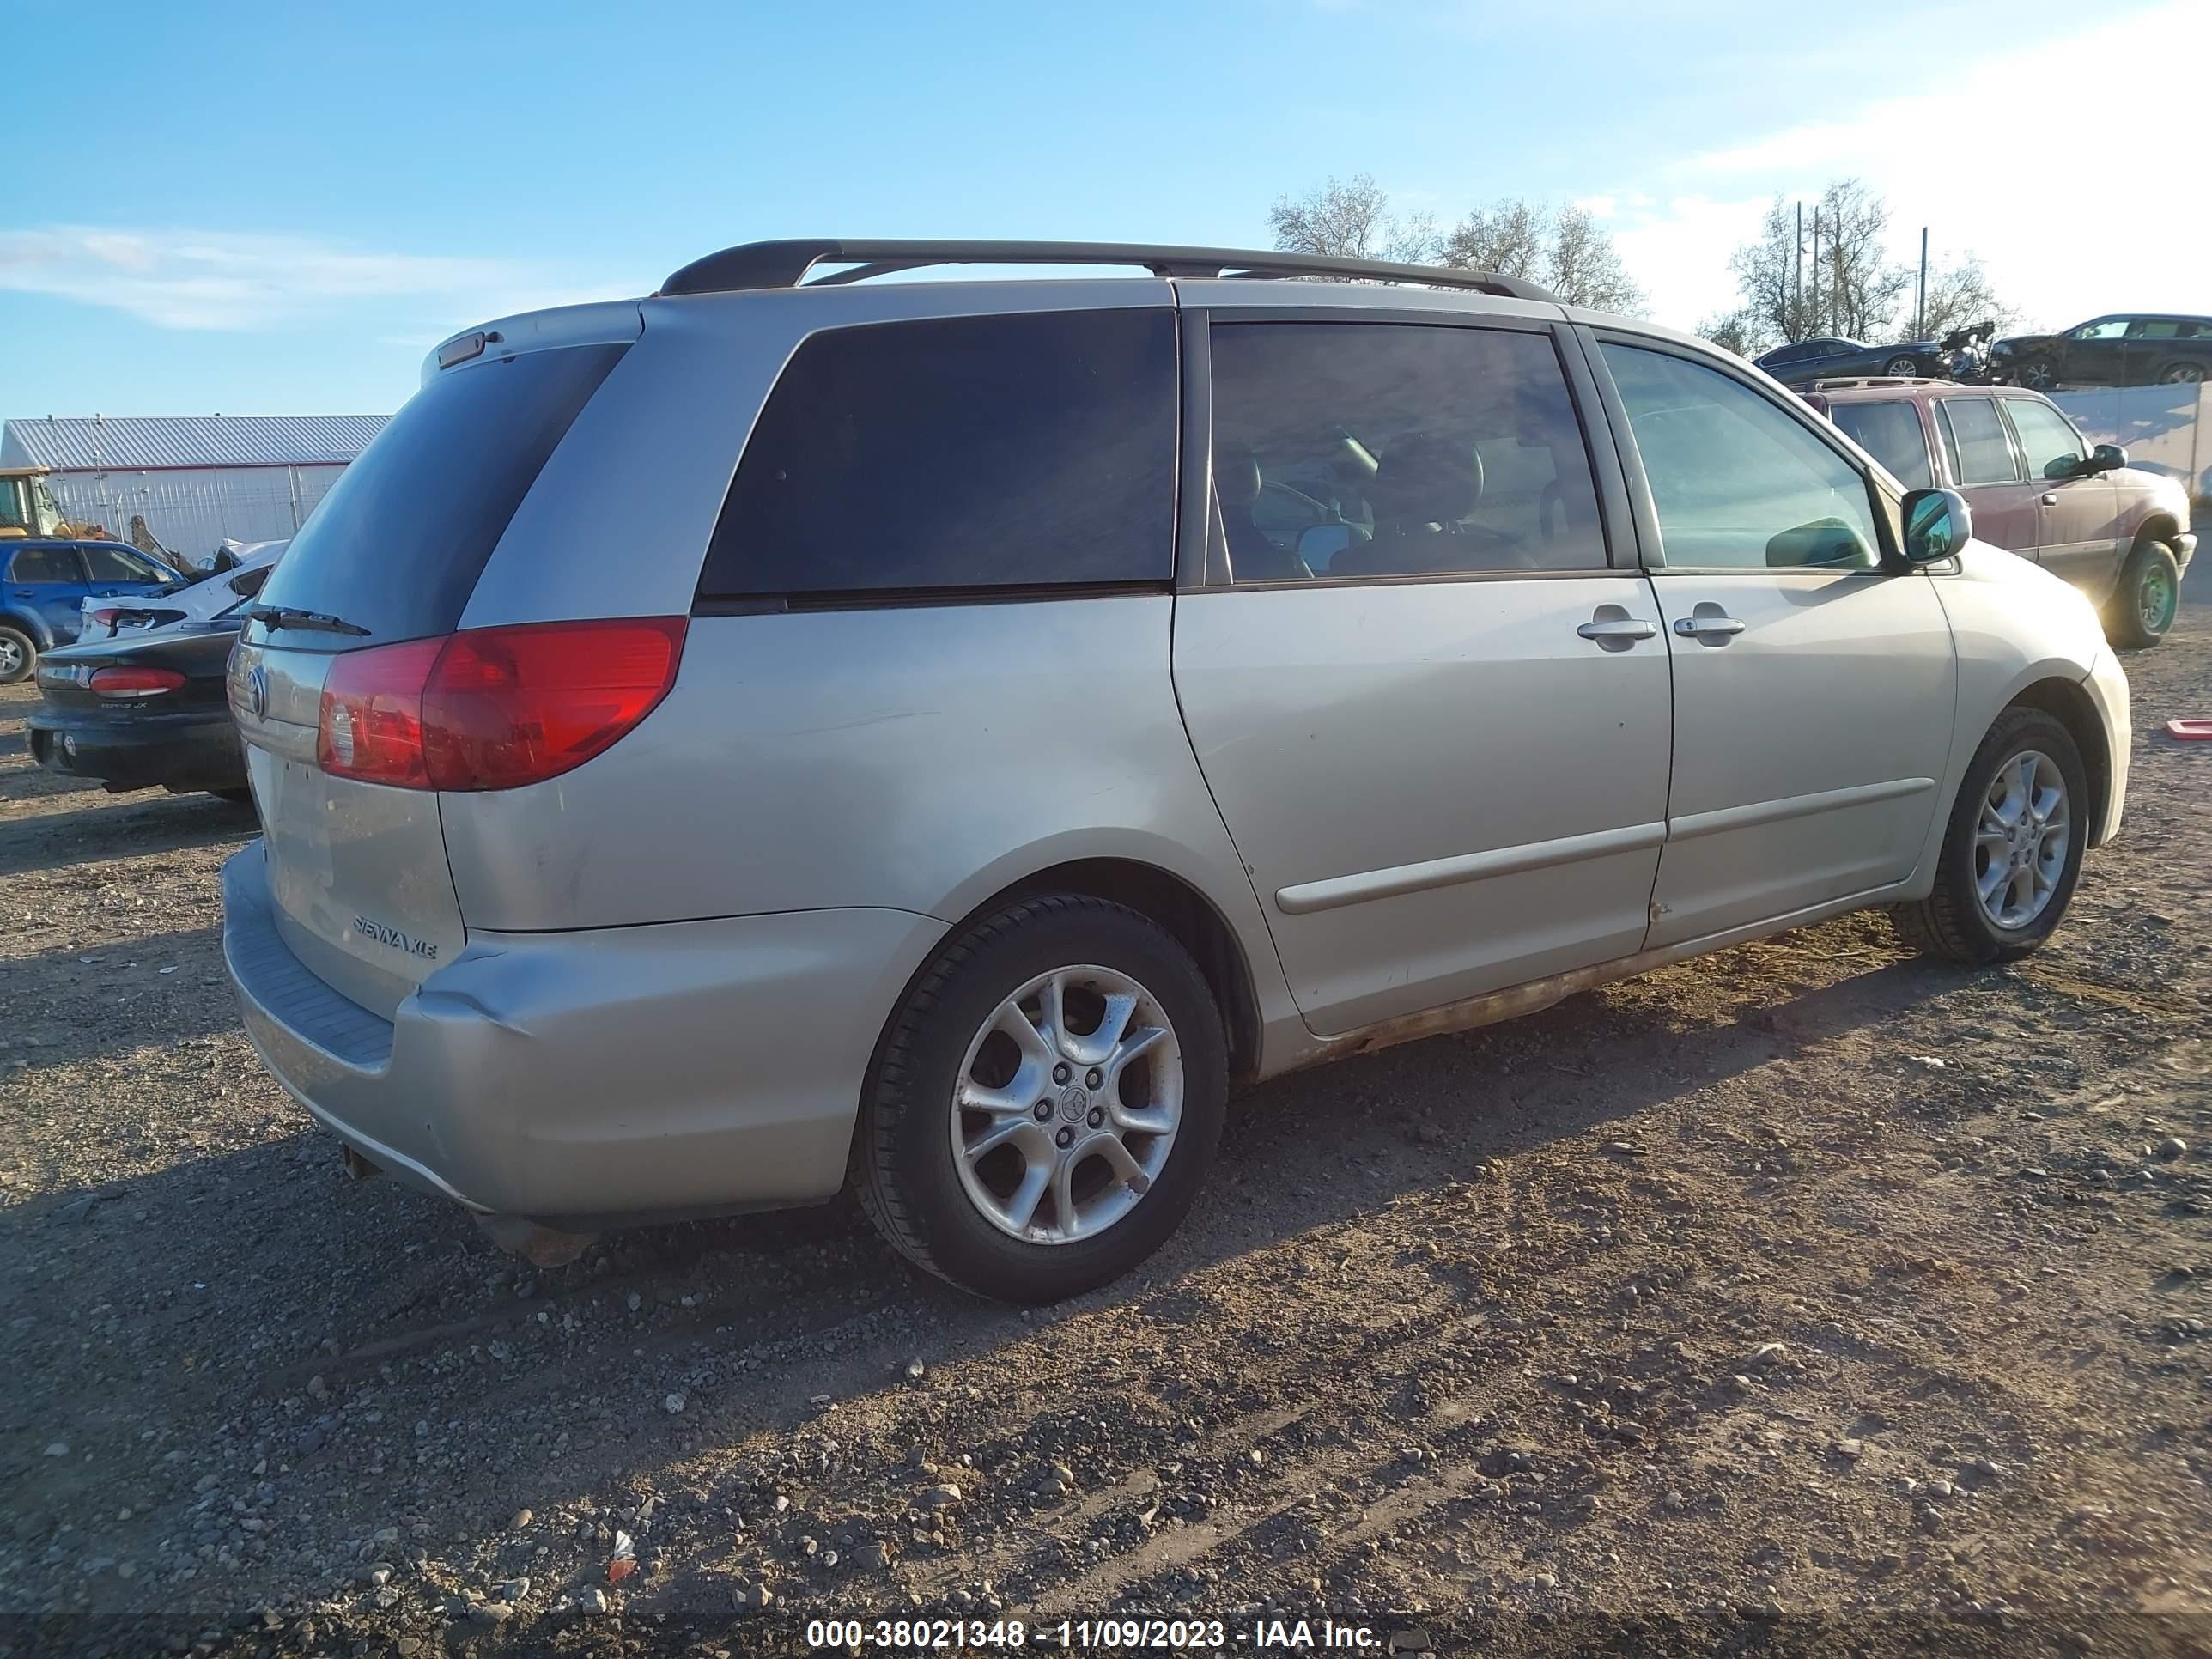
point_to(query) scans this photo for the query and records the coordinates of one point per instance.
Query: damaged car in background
(144, 710)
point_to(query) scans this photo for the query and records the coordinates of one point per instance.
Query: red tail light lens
(105, 617)
(136, 681)
(494, 707)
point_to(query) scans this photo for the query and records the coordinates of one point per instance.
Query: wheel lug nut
(1097, 1117)
(1094, 1077)
(1062, 1072)
(1044, 1111)
(1065, 1137)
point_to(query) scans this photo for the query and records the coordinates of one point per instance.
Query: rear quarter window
(1890, 433)
(397, 545)
(959, 453)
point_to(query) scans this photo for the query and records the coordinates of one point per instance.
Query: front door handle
(1619, 627)
(1698, 628)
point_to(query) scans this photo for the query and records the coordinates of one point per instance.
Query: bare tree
(1350, 220)
(1508, 237)
(1839, 280)
(1730, 332)
(1563, 249)
(1959, 296)
(1584, 268)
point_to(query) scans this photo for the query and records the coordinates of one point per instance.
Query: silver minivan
(798, 729)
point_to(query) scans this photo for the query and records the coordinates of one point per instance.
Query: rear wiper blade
(274, 617)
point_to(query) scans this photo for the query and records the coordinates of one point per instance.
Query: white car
(200, 600)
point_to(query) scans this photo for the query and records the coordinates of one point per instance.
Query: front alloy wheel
(2022, 842)
(2037, 375)
(2012, 847)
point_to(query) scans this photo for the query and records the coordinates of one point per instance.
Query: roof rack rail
(1843, 382)
(786, 264)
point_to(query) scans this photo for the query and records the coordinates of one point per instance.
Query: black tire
(904, 1167)
(1950, 922)
(2038, 373)
(2147, 598)
(19, 654)
(2184, 372)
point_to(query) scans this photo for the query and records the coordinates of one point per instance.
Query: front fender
(2015, 626)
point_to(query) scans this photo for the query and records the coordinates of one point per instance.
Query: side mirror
(2105, 458)
(1937, 524)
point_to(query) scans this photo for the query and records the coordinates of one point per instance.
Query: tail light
(494, 707)
(106, 617)
(135, 682)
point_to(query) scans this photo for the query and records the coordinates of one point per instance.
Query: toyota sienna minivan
(799, 729)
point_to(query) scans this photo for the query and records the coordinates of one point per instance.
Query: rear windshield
(964, 452)
(397, 544)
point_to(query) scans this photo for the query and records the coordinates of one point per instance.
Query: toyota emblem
(256, 690)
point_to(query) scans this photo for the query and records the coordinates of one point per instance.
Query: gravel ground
(1808, 1297)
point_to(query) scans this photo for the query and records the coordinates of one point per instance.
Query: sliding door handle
(1698, 628)
(1619, 627)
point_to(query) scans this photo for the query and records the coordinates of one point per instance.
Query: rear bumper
(599, 1076)
(199, 752)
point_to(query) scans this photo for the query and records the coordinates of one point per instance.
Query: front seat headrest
(1236, 475)
(1428, 478)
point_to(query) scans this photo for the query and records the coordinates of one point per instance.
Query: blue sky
(263, 209)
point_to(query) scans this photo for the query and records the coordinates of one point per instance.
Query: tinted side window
(960, 453)
(1890, 432)
(46, 564)
(1438, 449)
(1737, 483)
(397, 545)
(2054, 449)
(1984, 453)
(112, 564)
(2154, 328)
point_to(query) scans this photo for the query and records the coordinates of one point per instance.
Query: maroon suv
(2036, 485)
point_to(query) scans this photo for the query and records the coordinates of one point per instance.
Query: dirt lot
(1808, 1297)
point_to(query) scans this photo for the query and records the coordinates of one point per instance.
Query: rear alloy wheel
(1900, 366)
(2143, 605)
(18, 655)
(1046, 1103)
(2012, 851)
(2182, 374)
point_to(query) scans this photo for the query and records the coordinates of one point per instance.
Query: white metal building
(194, 479)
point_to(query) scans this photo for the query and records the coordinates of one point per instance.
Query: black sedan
(2127, 349)
(1803, 361)
(145, 711)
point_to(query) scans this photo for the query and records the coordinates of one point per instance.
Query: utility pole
(1815, 329)
(1920, 306)
(1797, 286)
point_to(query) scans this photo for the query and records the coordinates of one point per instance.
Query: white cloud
(195, 279)
(2078, 196)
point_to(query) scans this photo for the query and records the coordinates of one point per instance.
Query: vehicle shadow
(373, 1285)
(157, 823)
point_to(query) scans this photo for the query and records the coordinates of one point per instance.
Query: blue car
(43, 583)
